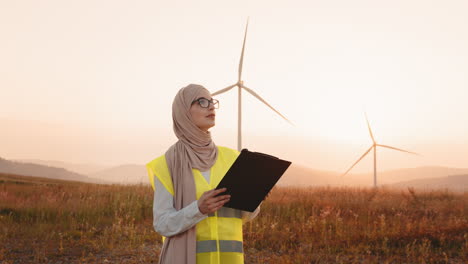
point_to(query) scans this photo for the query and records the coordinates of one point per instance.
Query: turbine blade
(263, 101)
(363, 155)
(242, 53)
(224, 90)
(402, 150)
(370, 130)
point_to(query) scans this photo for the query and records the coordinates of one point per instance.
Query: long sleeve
(248, 216)
(167, 221)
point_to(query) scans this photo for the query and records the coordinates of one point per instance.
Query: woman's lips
(211, 116)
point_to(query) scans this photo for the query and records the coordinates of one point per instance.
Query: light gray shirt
(167, 221)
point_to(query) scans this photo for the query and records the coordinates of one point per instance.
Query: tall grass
(41, 220)
(49, 221)
(351, 225)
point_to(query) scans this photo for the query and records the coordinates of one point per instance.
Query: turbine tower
(240, 85)
(374, 146)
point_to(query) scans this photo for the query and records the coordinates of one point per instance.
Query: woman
(187, 210)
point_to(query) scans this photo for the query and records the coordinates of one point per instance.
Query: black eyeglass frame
(213, 101)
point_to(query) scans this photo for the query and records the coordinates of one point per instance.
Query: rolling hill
(31, 169)
(81, 168)
(453, 182)
(296, 175)
(124, 174)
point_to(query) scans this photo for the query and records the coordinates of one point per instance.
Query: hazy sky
(93, 81)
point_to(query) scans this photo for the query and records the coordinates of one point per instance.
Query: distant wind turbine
(240, 85)
(374, 146)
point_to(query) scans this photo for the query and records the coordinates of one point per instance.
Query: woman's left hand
(210, 203)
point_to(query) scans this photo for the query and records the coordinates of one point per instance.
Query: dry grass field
(52, 221)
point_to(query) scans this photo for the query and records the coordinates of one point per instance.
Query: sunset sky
(93, 81)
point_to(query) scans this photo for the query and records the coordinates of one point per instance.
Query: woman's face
(203, 117)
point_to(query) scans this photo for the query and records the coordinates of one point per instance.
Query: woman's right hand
(208, 203)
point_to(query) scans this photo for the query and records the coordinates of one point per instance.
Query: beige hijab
(194, 149)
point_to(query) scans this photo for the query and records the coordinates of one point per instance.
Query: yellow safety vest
(219, 236)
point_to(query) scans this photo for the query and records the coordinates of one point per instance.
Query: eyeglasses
(205, 103)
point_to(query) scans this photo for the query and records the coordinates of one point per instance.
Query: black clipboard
(250, 179)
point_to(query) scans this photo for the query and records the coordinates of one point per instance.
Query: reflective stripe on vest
(224, 246)
(228, 212)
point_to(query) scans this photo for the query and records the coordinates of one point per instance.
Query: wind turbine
(374, 146)
(240, 85)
